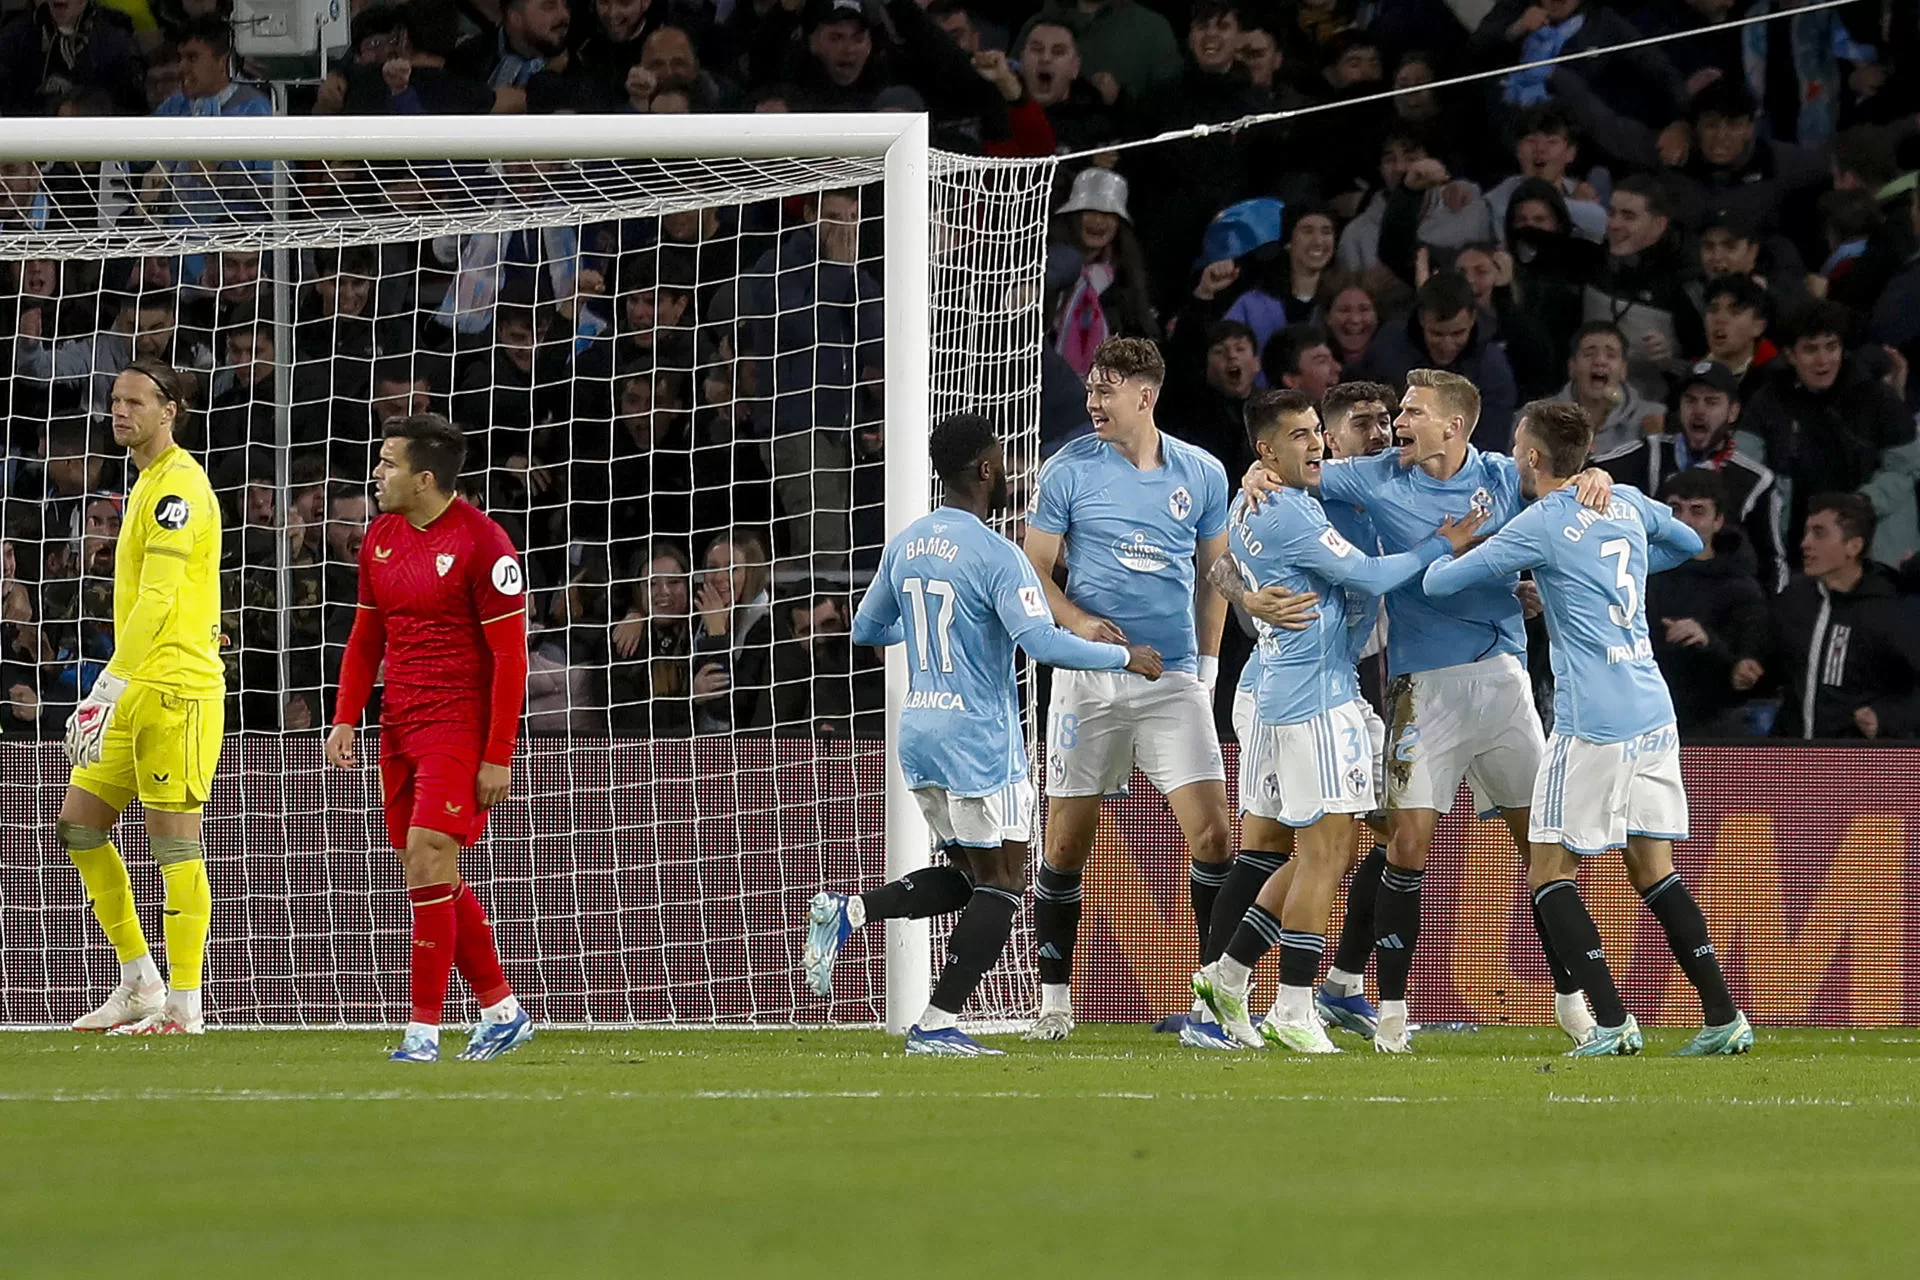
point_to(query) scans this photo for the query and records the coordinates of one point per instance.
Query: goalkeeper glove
(1208, 669)
(87, 727)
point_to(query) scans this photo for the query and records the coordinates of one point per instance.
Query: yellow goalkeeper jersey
(166, 581)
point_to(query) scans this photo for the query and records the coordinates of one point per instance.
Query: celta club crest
(1270, 785)
(1481, 502)
(1357, 779)
(442, 563)
(1180, 502)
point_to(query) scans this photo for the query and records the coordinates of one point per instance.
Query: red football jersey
(433, 593)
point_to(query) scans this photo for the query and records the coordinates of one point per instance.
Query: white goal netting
(670, 374)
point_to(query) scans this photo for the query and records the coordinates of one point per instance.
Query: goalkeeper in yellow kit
(150, 728)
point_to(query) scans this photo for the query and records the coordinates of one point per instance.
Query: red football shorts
(429, 781)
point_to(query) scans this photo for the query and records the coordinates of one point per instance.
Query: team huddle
(1335, 540)
(1311, 550)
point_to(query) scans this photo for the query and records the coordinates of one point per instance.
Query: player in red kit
(443, 604)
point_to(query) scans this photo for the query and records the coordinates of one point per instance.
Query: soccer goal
(696, 359)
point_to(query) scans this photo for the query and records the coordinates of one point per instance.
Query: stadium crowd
(1712, 246)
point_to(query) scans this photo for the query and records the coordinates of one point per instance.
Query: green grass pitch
(293, 1154)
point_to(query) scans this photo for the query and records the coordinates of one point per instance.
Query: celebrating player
(151, 725)
(1461, 704)
(1611, 777)
(1358, 424)
(1312, 752)
(1137, 514)
(441, 603)
(970, 597)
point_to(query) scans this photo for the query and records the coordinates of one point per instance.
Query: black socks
(1686, 929)
(1056, 922)
(1250, 873)
(930, 891)
(974, 946)
(1577, 942)
(1356, 928)
(1396, 928)
(1205, 880)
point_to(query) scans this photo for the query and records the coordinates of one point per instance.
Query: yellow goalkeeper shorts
(159, 746)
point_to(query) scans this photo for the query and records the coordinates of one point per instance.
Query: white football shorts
(1590, 796)
(1245, 722)
(1474, 722)
(1243, 726)
(1103, 723)
(978, 822)
(1304, 771)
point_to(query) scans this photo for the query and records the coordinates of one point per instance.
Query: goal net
(694, 361)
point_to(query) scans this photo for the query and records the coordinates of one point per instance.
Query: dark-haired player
(1610, 778)
(150, 726)
(960, 597)
(1358, 418)
(1311, 751)
(442, 604)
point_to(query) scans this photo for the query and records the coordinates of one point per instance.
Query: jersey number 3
(942, 591)
(1620, 550)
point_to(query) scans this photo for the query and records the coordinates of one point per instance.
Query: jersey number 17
(942, 591)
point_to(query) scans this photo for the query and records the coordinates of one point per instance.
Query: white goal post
(926, 371)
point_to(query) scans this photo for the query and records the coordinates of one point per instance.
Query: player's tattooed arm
(1275, 606)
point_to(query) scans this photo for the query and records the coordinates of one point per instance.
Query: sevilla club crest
(442, 563)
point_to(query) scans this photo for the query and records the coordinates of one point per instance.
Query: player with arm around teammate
(1358, 420)
(1138, 517)
(1311, 753)
(150, 727)
(442, 622)
(1460, 702)
(1610, 778)
(960, 597)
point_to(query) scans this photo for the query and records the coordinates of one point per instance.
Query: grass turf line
(830, 1153)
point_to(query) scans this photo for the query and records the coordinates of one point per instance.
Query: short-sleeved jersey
(966, 596)
(1130, 535)
(1289, 542)
(435, 589)
(1591, 568)
(172, 512)
(1406, 505)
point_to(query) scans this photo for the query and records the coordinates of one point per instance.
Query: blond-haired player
(150, 727)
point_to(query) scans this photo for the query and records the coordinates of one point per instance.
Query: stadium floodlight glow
(960, 262)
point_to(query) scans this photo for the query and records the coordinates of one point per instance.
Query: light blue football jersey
(1363, 607)
(1591, 568)
(1130, 535)
(1406, 505)
(960, 597)
(1289, 542)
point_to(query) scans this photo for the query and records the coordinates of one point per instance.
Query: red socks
(450, 928)
(434, 929)
(473, 949)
